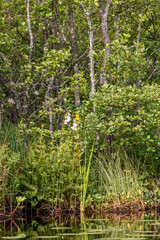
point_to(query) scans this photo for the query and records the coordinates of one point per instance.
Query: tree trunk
(75, 53)
(49, 102)
(1, 106)
(25, 103)
(44, 36)
(30, 30)
(91, 45)
(117, 31)
(91, 58)
(138, 83)
(25, 98)
(103, 12)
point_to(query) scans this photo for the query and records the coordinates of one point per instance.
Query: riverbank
(71, 175)
(49, 212)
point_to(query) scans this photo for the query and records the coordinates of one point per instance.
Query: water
(68, 227)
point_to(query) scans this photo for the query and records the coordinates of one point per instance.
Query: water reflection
(142, 226)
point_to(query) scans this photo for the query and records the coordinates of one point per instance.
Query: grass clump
(122, 178)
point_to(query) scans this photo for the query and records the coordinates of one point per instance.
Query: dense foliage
(79, 100)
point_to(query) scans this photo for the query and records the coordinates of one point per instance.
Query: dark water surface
(68, 227)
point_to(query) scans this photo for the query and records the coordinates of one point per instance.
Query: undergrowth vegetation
(107, 152)
(69, 168)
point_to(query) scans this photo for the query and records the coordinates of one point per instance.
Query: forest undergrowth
(67, 172)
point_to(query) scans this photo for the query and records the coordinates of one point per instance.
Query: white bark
(49, 102)
(1, 106)
(75, 54)
(103, 12)
(117, 31)
(91, 45)
(29, 29)
(139, 35)
(25, 98)
(138, 83)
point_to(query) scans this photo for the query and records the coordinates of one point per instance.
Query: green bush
(127, 117)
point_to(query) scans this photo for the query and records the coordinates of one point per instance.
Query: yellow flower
(77, 118)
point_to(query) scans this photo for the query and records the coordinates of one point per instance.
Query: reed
(85, 178)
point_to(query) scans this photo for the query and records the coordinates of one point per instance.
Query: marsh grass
(121, 177)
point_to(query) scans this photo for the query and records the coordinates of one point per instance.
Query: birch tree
(30, 30)
(75, 52)
(91, 49)
(103, 12)
(26, 88)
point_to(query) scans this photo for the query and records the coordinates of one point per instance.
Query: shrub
(127, 117)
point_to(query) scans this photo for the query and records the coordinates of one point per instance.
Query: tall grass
(12, 153)
(121, 178)
(3, 173)
(11, 136)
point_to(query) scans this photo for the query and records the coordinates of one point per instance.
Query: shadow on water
(69, 226)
